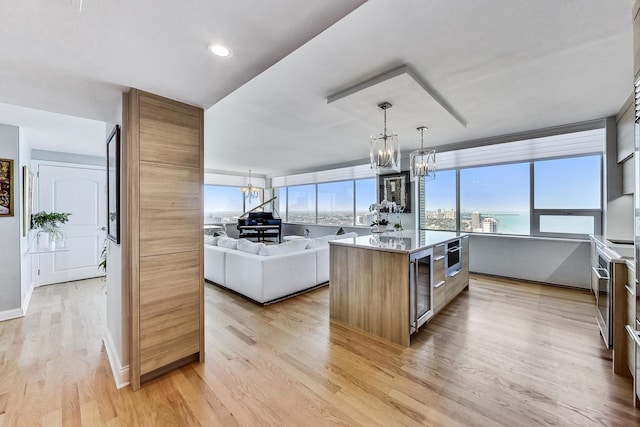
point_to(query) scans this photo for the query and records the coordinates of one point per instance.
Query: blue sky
(562, 183)
(222, 199)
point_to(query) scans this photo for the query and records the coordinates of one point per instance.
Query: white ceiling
(502, 67)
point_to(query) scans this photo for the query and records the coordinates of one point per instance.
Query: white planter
(42, 239)
(50, 241)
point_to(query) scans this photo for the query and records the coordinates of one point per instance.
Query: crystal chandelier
(385, 149)
(422, 162)
(249, 191)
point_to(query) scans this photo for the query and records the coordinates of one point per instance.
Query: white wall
(116, 337)
(554, 261)
(26, 260)
(10, 232)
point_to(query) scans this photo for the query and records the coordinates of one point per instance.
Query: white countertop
(407, 241)
(617, 250)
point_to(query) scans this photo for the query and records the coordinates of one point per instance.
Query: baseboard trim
(120, 373)
(11, 314)
(27, 299)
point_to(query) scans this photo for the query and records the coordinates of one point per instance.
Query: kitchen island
(390, 285)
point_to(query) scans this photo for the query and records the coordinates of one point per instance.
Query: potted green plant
(49, 235)
(380, 226)
(102, 265)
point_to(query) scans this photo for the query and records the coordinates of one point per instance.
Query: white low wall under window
(554, 261)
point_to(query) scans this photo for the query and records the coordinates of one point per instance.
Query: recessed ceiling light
(220, 50)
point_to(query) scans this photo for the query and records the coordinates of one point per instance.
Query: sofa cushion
(245, 245)
(214, 263)
(227, 242)
(210, 240)
(284, 248)
(324, 240)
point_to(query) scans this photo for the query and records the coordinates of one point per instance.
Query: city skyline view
(500, 194)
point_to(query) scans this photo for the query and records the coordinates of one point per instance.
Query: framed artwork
(6, 187)
(113, 185)
(28, 184)
(396, 188)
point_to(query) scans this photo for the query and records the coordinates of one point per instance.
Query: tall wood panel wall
(163, 176)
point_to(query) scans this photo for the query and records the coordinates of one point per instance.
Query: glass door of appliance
(421, 278)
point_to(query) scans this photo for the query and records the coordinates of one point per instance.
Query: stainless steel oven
(601, 274)
(453, 256)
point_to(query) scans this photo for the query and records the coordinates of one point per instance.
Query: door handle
(600, 276)
(633, 334)
(103, 228)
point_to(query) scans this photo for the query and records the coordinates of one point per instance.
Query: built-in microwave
(453, 256)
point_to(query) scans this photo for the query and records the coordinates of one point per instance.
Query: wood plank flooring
(504, 353)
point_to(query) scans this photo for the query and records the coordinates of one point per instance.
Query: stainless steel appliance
(421, 295)
(453, 257)
(601, 276)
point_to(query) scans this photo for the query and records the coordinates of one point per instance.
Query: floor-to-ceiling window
(556, 192)
(441, 202)
(495, 199)
(301, 204)
(333, 202)
(224, 204)
(567, 195)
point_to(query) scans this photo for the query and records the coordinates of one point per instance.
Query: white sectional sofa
(268, 273)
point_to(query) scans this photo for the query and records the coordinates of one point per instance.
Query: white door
(81, 191)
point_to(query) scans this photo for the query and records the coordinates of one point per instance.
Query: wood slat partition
(163, 233)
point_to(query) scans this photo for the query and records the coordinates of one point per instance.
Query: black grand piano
(260, 225)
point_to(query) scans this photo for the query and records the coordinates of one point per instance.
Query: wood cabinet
(389, 292)
(163, 175)
(630, 318)
(620, 285)
(369, 289)
(439, 298)
(457, 281)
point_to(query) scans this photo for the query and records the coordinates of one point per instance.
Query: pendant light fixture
(423, 161)
(249, 191)
(385, 149)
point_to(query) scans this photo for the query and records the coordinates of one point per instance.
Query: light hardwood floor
(503, 353)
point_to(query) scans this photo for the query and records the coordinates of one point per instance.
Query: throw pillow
(245, 245)
(284, 248)
(227, 242)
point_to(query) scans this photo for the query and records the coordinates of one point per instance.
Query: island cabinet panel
(370, 290)
(439, 298)
(163, 219)
(459, 280)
